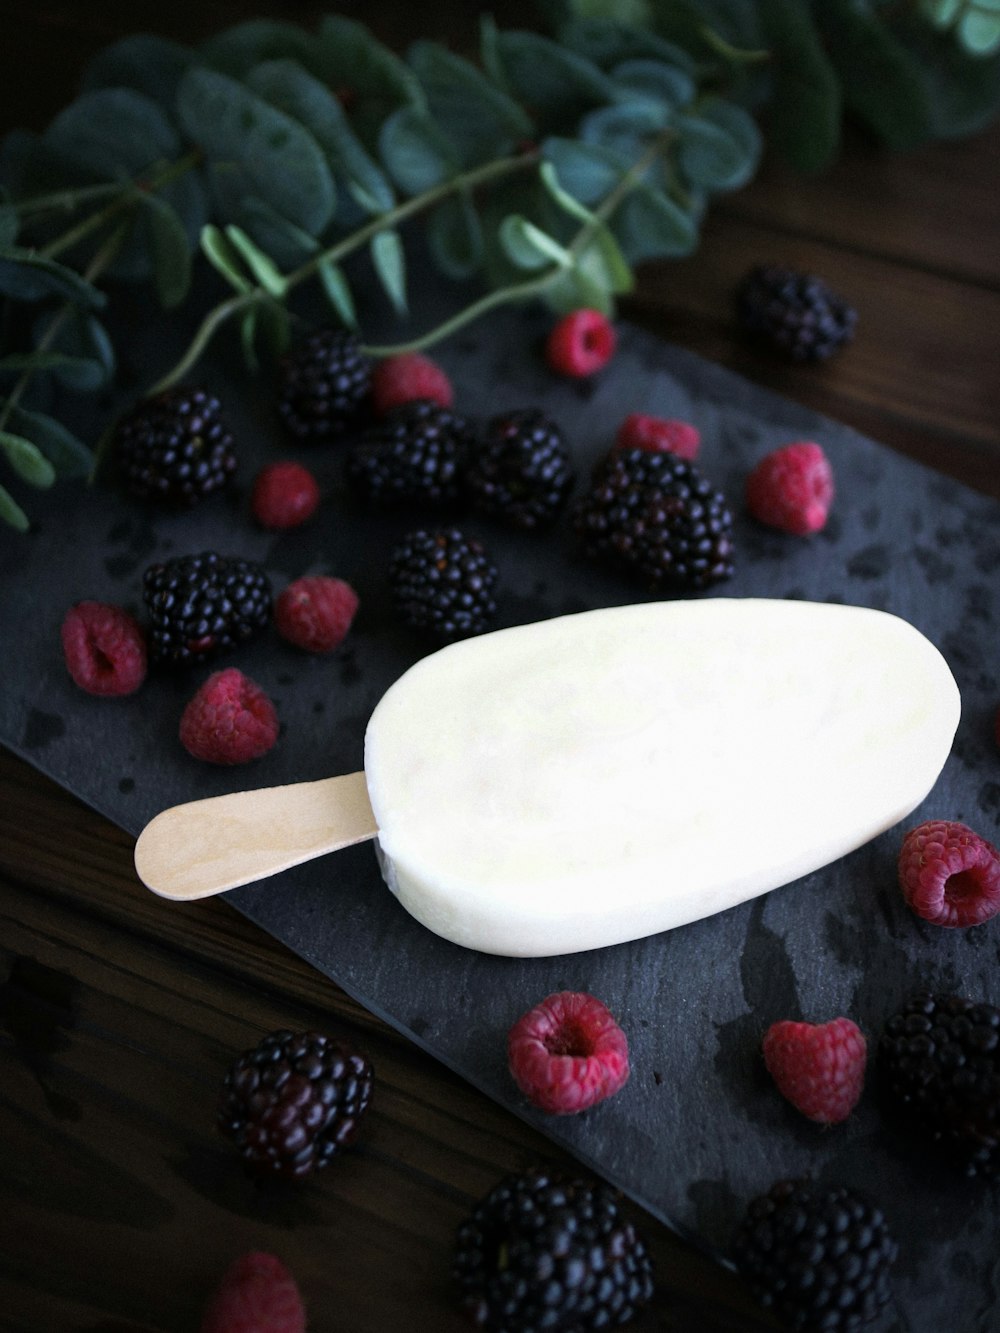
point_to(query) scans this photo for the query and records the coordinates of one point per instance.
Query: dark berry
(521, 472)
(295, 1101)
(325, 386)
(415, 456)
(656, 517)
(819, 1257)
(442, 584)
(540, 1252)
(796, 313)
(939, 1075)
(176, 447)
(201, 605)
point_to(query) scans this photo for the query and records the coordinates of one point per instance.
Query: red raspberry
(229, 721)
(407, 377)
(820, 1067)
(257, 1295)
(284, 495)
(568, 1053)
(658, 435)
(315, 613)
(949, 875)
(104, 648)
(792, 488)
(580, 344)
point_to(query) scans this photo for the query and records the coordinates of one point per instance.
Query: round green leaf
(528, 246)
(979, 32)
(586, 171)
(609, 41)
(415, 152)
(143, 62)
(650, 225)
(116, 133)
(455, 236)
(624, 129)
(236, 50)
(477, 118)
(557, 83)
(711, 156)
(655, 80)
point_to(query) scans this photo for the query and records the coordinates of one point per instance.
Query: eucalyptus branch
(64, 201)
(207, 330)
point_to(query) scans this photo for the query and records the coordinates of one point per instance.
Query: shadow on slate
(699, 1129)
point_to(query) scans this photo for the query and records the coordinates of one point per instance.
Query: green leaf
(575, 289)
(693, 25)
(557, 84)
(9, 223)
(625, 129)
(650, 225)
(370, 78)
(167, 244)
(143, 62)
(338, 292)
(656, 81)
(69, 456)
(414, 150)
(963, 91)
(528, 247)
(711, 155)
(26, 460)
(389, 259)
(248, 335)
(85, 354)
(221, 255)
(739, 125)
(115, 133)
(11, 512)
(609, 41)
(261, 265)
(979, 32)
(566, 201)
(804, 116)
(29, 276)
(603, 262)
(287, 244)
(255, 149)
(236, 50)
(274, 324)
(455, 236)
(479, 120)
(585, 171)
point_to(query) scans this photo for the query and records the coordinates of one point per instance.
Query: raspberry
(104, 648)
(568, 1053)
(820, 1068)
(658, 435)
(284, 495)
(229, 721)
(407, 377)
(791, 488)
(257, 1295)
(949, 875)
(315, 613)
(580, 344)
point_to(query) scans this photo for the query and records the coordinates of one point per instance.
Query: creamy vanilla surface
(599, 777)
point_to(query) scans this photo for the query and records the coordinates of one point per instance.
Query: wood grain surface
(119, 1205)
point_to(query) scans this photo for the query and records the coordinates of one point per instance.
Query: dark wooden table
(119, 1206)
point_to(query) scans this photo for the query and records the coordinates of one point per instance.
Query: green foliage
(271, 154)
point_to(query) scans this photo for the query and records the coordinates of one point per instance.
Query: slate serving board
(699, 1129)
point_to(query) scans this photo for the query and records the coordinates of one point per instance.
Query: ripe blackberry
(818, 1257)
(939, 1069)
(442, 583)
(796, 313)
(655, 516)
(294, 1101)
(175, 447)
(543, 1253)
(522, 471)
(416, 455)
(325, 384)
(201, 605)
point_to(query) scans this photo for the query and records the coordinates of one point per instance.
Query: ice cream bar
(603, 776)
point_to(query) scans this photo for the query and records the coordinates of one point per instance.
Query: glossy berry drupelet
(295, 1101)
(416, 456)
(324, 386)
(521, 472)
(176, 447)
(818, 1257)
(544, 1253)
(795, 313)
(656, 517)
(568, 1053)
(442, 584)
(939, 1075)
(202, 605)
(949, 874)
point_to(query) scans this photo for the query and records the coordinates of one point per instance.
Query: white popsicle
(604, 776)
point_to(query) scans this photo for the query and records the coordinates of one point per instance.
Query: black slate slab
(699, 1128)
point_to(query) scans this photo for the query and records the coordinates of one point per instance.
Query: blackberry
(325, 385)
(522, 471)
(201, 605)
(939, 1074)
(295, 1101)
(655, 516)
(796, 313)
(417, 454)
(442, 583)
(544, 1253)
(818, 1257)
(176, 447)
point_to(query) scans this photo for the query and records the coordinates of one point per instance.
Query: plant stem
(209, 326)
(65, 200)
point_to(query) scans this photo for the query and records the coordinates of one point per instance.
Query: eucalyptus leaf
(455, 236)
(26, 460)
(414, 150)
(338, 292)
(963, 91)
(372, 80)
(68, 455)
(389, 259)
(805, 111)
(248, 336)
(656, 81)
(979, 32)
(625, 129)
(528, 247)
(575, 289)
(586, 171)
(609, 41)
(260, 264)
(712, 156)
(603, 262)
(739, 125)
(167, 243)
(11, 512)
(287, 244)
(567, 202)
(479, 120)
(693, 25)
(274, 325)
(29, 276)
(115, 133)
(236, 50)
(558, 84)
(143, 62)
(255, 149)
(220, 253)
(650, 225)
(84, 355)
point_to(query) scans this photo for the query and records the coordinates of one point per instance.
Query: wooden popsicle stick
(206, 847)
